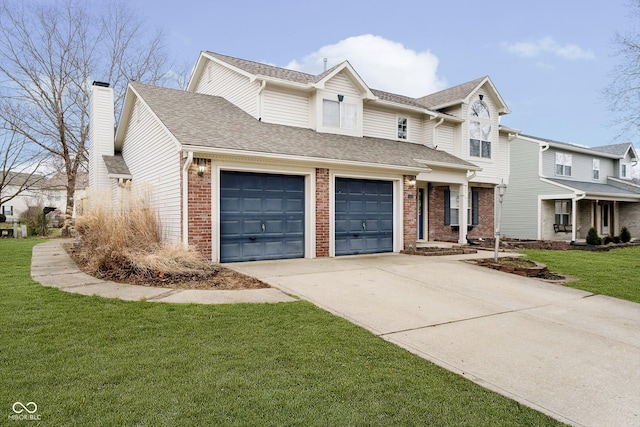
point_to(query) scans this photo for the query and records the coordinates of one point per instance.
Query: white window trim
(406, 127)
(481, 121)
(356, 130)
(565, 160)
(596, 168)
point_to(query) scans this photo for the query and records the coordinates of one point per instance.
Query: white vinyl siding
(153, 159)
(384, 124)
(445, 137)
(285, 108)
(342, 85)
(230, 85)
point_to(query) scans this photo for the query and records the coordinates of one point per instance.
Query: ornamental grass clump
(127, 240)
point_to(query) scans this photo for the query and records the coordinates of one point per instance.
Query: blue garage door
(363, 216)
(261, 216)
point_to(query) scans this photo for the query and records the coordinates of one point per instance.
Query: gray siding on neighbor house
(520, 211)
(581, 166)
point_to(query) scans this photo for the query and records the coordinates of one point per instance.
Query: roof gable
(461, 94)
(618, 149)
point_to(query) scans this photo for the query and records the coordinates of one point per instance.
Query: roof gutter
(302, 159)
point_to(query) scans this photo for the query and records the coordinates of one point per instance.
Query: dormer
(626, 155)
(337, 103)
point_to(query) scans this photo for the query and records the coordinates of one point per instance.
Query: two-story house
(254, 161)
(558, 191)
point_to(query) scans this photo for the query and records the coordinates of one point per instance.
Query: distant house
(39, 191)
(558, 191)
(256, 162)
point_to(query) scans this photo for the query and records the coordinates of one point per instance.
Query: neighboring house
(39, 191)
(559, 191)
(259, 162)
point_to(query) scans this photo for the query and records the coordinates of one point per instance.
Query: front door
(605, 218)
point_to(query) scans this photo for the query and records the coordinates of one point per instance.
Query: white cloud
(383, 64)
(548, 45)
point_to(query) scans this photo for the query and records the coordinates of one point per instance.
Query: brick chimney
(101, 134)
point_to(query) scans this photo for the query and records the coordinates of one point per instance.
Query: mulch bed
(211, 276)
(520, 266)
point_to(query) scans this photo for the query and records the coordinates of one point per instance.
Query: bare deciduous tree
(623, 94)
(50, 54)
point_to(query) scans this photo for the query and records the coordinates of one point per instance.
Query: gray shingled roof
(596, 188)
(615, 149)
(116, 165)
(257, 68)
(212, 122)
(451, 95)
(269, 70)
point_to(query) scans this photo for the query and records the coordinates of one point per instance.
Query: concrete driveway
(565, 352)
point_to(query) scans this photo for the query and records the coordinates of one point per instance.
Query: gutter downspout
(263, 84)
(185, 198)
(435, 132)
(543, 148)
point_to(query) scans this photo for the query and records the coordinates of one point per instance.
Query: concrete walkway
(565, 352)
(52, 266)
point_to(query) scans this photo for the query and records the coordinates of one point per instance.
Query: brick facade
(199, 204)
(410, 213)
(322, 212)
(446, 233)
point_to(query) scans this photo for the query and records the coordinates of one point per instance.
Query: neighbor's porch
(570, 219)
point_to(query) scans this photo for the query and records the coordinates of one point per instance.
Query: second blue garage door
(261, 216)
(363, 216)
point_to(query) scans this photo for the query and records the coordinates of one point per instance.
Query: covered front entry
(363, 216)
(261, 216)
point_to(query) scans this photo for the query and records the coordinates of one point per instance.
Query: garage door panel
(368, 202)
(261, 216)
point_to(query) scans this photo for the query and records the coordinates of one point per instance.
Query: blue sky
(550, 60)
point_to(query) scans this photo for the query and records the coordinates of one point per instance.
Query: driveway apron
(565, 352)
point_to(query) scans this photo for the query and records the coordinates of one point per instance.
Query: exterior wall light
(202, 167)
(340, 98)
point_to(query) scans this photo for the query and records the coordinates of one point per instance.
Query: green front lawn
(615, 273)
(95, 361)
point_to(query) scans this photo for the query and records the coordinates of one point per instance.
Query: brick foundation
(322, 212)
(199, 204)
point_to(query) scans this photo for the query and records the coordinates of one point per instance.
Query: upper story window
(563, 164)
(402, 127)
(596, 168)
(480, 130)
(623, 170)
(339, 114)
(7, 210)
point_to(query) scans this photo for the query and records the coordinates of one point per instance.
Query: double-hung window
(596, 169)
(452, 207)
(339, 114)
(563, 164)
(563, 212)
(7, 210)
